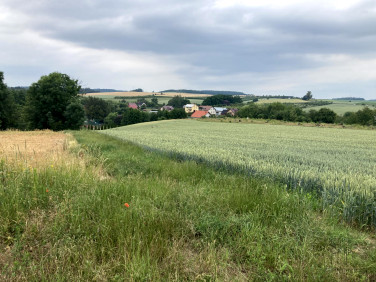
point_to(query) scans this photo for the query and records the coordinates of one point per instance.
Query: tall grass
(185, 221)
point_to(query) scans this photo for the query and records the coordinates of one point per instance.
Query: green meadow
(340, 107)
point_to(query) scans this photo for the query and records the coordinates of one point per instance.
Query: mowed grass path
(338, 165)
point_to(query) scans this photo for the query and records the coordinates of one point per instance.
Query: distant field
(368, 103)
(273, 100)
(338, 164)
(339, 107)
(132, 94)
(161, 99)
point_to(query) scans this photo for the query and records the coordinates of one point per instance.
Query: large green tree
(178, 101)
(96, 108)
(52, 103)
(307, 96)
(7, 106)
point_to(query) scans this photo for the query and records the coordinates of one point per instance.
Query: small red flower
(47, 191)
(126, 205)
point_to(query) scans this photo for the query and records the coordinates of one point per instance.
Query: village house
(167, 108)
(218, 111)
(224, 112)
(190, 108)
(141, 105)
(212, 111)
(204, 108)
(233, 111)
(133, 106)
(199, 114)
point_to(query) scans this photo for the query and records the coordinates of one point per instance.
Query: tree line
(290, 112)
(211, 92)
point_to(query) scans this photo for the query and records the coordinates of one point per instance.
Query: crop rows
(337, 164)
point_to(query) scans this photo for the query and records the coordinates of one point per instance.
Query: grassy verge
(182, 221)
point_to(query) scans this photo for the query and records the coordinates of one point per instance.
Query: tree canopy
(96, 108)
(7, 105)
(50, 100)
(178, 101)
(307, 96)
(218, 100)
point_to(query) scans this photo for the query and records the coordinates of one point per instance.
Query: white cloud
(277, 4)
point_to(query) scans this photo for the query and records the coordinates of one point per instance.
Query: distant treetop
(211, 92)
(307, 96)
(349, 98)
(137, 90)
(97, 90)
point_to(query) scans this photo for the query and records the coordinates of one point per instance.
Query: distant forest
(276, 97)
(212, 92)
(98, 90)
(349, 98)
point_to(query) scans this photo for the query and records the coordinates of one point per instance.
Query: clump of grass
(184, 221)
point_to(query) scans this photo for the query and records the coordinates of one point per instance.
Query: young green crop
(337, 164)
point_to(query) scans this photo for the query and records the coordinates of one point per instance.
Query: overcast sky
(261, 47)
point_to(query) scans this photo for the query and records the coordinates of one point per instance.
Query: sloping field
(339, 108)
(283, 101)
(337, 164)
(139, 94)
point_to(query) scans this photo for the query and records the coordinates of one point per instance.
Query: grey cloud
(219, 41)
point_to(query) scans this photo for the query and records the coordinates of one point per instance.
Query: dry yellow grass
(43, 149)
(34, 148)
(139, 94)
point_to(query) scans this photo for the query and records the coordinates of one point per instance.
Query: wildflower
(126, 205)
(47, 191)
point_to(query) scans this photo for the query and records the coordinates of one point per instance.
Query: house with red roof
(133, 106)
(199, 114)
